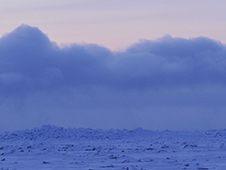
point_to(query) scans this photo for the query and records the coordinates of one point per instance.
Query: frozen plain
(55, 148)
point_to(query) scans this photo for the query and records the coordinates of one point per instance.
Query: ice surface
(51, 147)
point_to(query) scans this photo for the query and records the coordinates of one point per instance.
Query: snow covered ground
(51, 147)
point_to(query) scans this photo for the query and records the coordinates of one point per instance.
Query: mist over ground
(167, 83)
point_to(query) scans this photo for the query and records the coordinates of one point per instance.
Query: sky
(113, 64)
(116, 24)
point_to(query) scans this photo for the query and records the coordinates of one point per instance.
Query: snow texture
(51, 147)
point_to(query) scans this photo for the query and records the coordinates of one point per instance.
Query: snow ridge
(53, 132)
(48, 132)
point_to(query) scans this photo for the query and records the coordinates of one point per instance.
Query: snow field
(51, 147)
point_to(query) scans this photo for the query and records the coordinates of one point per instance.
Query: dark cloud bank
(168, 83)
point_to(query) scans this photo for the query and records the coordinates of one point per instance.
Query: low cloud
(168, 83)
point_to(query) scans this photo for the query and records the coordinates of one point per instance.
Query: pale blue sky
(116, 24)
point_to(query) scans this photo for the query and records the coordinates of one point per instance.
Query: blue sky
(113, 64)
